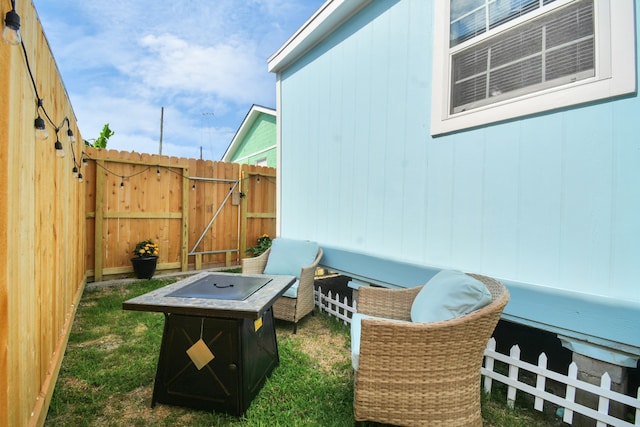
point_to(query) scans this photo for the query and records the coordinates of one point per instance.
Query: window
(501, 59)
(261, 161)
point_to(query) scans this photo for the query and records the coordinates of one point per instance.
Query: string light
(11, 32)
(59, 149)
(41, 128)
(86, 157)
(71, 138)
(39, 124)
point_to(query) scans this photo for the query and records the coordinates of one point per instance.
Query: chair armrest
(308, 272)
(389, 348)
(255, 265)
(389, 343)
(388, 303)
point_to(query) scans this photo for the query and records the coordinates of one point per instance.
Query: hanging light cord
(40, 105)
(170, 169)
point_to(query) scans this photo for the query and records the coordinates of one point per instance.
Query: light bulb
(11, 32)
(59, 150)
(41, 128)
(75, 171)
(80, 177)
(70, 136)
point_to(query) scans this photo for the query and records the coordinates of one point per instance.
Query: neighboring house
(255, 141)
(502, 140)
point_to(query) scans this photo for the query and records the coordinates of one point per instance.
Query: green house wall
(259, 143)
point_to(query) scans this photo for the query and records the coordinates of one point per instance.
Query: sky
(122, 62)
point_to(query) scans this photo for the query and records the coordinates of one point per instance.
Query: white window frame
(615, 72)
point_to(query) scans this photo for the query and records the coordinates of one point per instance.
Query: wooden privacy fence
(42, 273)
(201, 213)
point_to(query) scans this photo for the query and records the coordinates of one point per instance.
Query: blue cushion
(292, 291)
(288, 256)
(447, 295)
(356, 323)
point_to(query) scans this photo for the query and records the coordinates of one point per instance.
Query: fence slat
(603, 402)
(541, 381)
(489, 364)
(513, 375)
(570, 396)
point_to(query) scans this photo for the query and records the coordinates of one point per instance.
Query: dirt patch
(132, 408)
(107, 342)
(326, 349)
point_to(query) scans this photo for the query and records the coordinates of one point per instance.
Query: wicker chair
(285, 308)
(428, 374)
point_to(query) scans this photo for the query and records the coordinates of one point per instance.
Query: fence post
(345, 312)
(540, 382)
(184, 244)
(488, 364)
(570, 395)
(603, 402)
(320, 298)
(513, 374)
(99, 222)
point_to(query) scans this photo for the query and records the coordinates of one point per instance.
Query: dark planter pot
(144, 267)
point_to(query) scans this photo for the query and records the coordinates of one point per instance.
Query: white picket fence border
(339, 307)
(331, 304)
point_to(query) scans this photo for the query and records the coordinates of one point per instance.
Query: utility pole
(161, 125)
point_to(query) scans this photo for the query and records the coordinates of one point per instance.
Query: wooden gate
(258, 205)
(193, 209)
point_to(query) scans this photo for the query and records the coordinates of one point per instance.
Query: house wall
(260, 139)
(548, 203)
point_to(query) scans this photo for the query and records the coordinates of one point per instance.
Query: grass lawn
(108, 370)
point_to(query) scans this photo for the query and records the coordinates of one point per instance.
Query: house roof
(326, 19)
(245, 127)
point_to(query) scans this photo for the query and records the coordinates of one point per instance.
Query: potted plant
(145, 259)
(262, 244)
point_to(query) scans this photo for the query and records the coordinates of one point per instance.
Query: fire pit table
(219, 340)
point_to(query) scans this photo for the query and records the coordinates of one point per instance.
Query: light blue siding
(549, 202)
(367, 169)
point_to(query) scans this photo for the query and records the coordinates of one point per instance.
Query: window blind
(554, 49)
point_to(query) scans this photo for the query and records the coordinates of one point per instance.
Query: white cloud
(230, 71)
(204, 61)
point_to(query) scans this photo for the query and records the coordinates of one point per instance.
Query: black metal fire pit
(222, 287)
